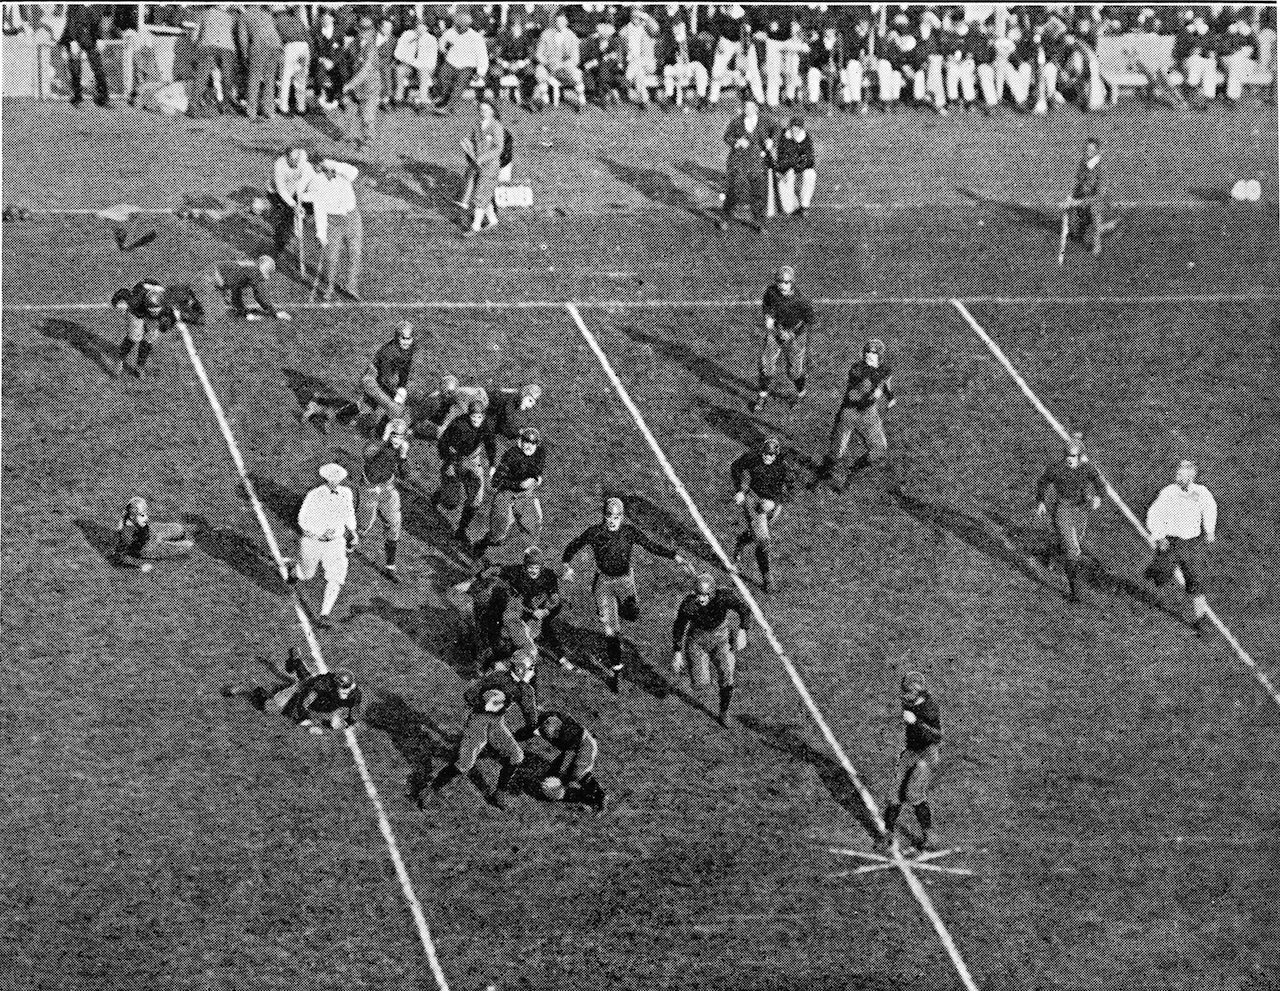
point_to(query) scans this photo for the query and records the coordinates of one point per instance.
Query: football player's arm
(1210, 517)
(1043, 484)
(571, 551)
(738, 472)
(297, 706)
(490, 441)
(680, 628)
(1097, 488)
(653, 547)
(353, 707)
(929, 721)
(888, 392)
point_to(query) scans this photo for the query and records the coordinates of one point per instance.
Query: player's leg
(987, 84)
(893, 807)
(1068, 521)
(871, 429)
(747, 537)
(726, 664)
(770, 352)
(808, 186)
(841, 433)
(766, 512)
(1191, 561)
(308, 561)
(149, 336)
(550, 638)
(725, 51)
(509, 752)
(393, 525)
(788, 201)
(334, 562)
(475, 735)
(916, 793)
(501, 519)
(795, 350)
(607, 613)
(528, 513)
(134, 330)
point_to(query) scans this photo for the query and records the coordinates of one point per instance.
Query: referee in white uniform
(327, 520)
(1182, 521)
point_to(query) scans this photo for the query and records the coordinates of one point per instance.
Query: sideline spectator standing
(295, 60)
(417, 54)
(365, 84)
(464, 57)
(484, 147)
(260, 43)
(290, 177)
(327, 66)
(82, 38)
(750, 147)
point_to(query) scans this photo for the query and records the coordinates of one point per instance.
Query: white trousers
(796, 192)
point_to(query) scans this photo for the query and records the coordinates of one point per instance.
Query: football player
(488, 699)
(332, 697)
(150, 311)
(762, 483)
(918, 761)
(139, 541)
(534, 589)
(702, 635)
(466, 447)
(386, 462)
(516, 485)
(1073, 487)
(513, 410)
(870, 378)
(787, 319)
(450, 401)
(570, 776)
(611, 542)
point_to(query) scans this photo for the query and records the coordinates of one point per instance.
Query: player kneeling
(570, 776)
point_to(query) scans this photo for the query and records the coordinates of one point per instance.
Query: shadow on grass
(747, 430)
(665, 526)
(686, 356)
(656, 186)
(242, 553)
(420, 741)
(102, 539)
(93, 346)
(1047, 218)
(440, 633)
(714, 179)
(307, 388)
(787, 741)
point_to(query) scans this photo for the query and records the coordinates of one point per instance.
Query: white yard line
(726, 304)
(384, 824)
(904, 866)
(1261, 676)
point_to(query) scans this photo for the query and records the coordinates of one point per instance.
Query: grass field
(1108, 775)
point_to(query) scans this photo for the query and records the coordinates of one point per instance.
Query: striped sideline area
(1205, 298)
(1267, 684)
(904, 865)
(357, 755)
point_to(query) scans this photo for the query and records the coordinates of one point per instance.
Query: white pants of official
(1202, 73)
(851, 79)
(796, 190)
(327, 555)
(962, 79)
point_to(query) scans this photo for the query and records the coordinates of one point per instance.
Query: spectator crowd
(259, 59)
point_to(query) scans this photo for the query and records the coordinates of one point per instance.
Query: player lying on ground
(140, 540)
(312, 701)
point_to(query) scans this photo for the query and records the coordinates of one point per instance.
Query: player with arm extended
(1072, 487)
(611, 542)
(702, 633)
(918, 761)
(762, 482)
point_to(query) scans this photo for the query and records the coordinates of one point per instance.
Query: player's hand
(529, 484)
(401, 395)
(677, 661)
(568, 575)
(1042, 510)
(329, 534)
(282, 315)
(1162, 544)
(739, 498)
(891, 404)
(741, 642)
(540, 613)
(908, 717)
(448, 471)
(353, 541)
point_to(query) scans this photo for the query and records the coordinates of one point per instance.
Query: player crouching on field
(570, 777)
(702, 633)
(488, 700)
(223, 289)
(139, 541)
(150, 310)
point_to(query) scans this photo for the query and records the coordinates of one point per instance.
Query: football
(552, 789)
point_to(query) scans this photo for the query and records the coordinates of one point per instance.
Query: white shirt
(331, 196)
(422, 51)
(324, 510)
(1183, 513)
(465, 50)
(290, 181)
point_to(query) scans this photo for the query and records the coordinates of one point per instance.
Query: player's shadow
(419, 740)
(102, 539)
(686, 355)
(712, 178)
(438, 187)
(663, 525)
(656, 186)
(745, 429)
(787, 741)
(239, 229)
(96, 348)
(283, 503)
(307, 388)
(986, 536)
(437, 632)
(233, 548)
(1048, 218)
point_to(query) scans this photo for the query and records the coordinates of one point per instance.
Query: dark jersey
(237, 277)
(382, 462)
(755, 154)
(461, 441)
(542, 592)
(511, 692)
(793, 312)
(131, 540)
(319, 693)
(768, 481)
(693, 617)
(516, 467)
(1088, 179)
(393, 366)
(136, 301)
(1076, 486)
(795, 154)
(570, 736)
(927, 729)
(612, 548)
(865, 384)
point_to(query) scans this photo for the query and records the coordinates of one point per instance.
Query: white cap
(333, 473)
